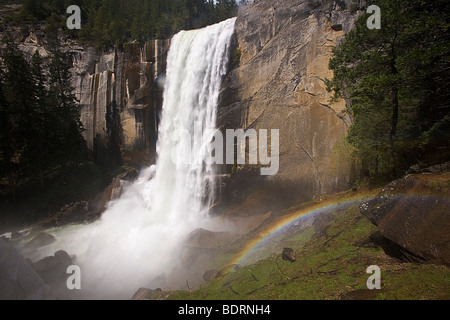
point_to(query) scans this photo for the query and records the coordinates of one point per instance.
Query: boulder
(210, 275)
(142, 294)
(53, 271)
(148, 294)
(112, 192)
(54, 266)
(413, 212)
(130, 174)
(6, 236)
(18, 280)
(288, 255)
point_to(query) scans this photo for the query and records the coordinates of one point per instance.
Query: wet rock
(142, 294)
(148, 294)
(288, 255)
(53, 266)
(40, 240)
(436, 169)
(46, 265)
(113, 191)
(18, 280)
(130, 175)
(210, 275)
(73, 212)
(413, 212)
(63, 258)
(6, 236)
(16, 235)
(53, 271)
(414, 169)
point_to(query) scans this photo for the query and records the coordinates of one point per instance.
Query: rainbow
(290, 220)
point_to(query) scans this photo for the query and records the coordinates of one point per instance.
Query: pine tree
(67, 133)
(389, 77)
(41, 146)
(139, 29)
(7, 143)
(18, 113)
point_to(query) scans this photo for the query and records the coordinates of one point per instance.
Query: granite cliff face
(120, 96)
(276, 81)
(285, 48)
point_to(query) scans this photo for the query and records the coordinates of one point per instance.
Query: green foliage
(39, 115)
(115, 22)
(395, 80)
(18, 111)
(331, 264)
(237, 57)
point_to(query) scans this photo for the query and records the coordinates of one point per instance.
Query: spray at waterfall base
(141, 240)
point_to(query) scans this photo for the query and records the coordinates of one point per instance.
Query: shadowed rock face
(279, 84)
(413, 212)
(120, 96)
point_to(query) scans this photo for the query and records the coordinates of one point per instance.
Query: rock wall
(119, 93)
(285, 48)
(279, 83)
(120, 96)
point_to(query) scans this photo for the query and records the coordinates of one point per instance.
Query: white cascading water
(138, 237)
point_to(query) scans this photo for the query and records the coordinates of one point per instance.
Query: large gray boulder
(18, 279)
(413, 212)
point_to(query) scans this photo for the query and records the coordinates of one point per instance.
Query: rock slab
(413, 212)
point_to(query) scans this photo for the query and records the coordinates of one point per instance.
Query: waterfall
(139, 236)
(197, 62)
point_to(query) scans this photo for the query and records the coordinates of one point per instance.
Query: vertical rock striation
(120, 98)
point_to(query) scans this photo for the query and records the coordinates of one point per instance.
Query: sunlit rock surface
(285, 48)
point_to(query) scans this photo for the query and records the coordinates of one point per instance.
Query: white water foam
(138, 237)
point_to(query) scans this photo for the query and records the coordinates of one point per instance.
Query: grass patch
(331, 264)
